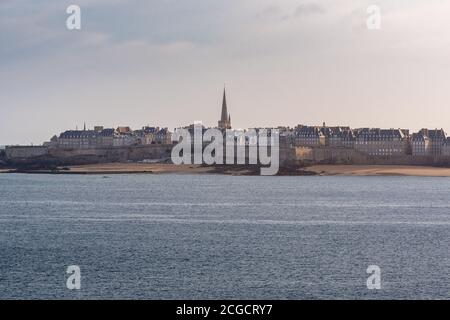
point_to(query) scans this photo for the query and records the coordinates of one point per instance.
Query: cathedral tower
(225, 119)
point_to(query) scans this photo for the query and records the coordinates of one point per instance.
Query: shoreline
(379, 170)
(164, 168)
(140, 168)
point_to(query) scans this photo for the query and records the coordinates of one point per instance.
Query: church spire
(224, 116)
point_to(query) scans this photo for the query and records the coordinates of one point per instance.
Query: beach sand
(322, 170)
(111, 168)
(379, 170)
(344, 170)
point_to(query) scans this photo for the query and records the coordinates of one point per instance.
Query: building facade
(446, 148)
(308, 136)
(163, 136)
(381, 142)
(84, 139)
(420, 145)
(100, 137)
(428, 142)
(339, 137)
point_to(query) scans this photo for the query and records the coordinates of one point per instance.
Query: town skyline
(224, 123)
(211, 124)
(427, 145)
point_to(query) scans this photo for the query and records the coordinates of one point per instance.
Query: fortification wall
(60, 156)
(305, 154)
(113, 154)
(287, 154)
(401, 160)
(333, 155)
(25, 152)
(320, 155)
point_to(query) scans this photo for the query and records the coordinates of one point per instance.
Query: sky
(165, 63)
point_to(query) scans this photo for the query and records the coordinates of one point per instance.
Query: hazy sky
(164, 62)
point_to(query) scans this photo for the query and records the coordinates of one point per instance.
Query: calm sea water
(212, 236)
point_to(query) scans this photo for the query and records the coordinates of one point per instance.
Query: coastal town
(371, 141)
(319, 144)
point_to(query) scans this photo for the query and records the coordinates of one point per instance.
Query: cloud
(287, 11)
(303, 10)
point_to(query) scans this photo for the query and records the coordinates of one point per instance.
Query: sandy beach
(326, 170)
(158, 168)
(344, 170)
(321, 170)
(379, 170)
(111, 168)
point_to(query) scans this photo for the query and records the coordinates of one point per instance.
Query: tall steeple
(225, 120)
(224, 107)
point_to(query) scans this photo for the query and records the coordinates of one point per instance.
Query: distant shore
(141, 168)
(157, 168)
(320, 170)
(379, 170)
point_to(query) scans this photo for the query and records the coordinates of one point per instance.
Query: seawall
(39, 155)
(334, 155)
(42, 156)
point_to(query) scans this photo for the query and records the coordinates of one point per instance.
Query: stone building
(85, 139)
(428, 142)
(120, 137)
(420, 144)
(437, 139)
(348, 139)
(382, 142)
(124, 136)
(53, 143)
(124, 130)
(307, 136)
(147, 135)
(287, 135)
(446, 148)
(339, 137)
(163, 136)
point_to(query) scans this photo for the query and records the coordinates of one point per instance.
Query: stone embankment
(43, 157)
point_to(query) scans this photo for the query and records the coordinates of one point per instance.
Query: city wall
(25, 152)
(18, 155)
(60, 156)
(331, 155)
(23, 155)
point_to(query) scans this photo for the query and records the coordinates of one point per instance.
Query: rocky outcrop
(2, 158)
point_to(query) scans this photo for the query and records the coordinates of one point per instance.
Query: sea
(224, 237)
